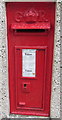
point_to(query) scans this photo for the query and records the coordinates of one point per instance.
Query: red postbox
(30, 27)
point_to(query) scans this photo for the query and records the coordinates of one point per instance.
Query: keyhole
(25, 85)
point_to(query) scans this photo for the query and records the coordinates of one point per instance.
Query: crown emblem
(31, 15)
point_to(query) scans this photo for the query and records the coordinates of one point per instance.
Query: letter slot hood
(38, 25)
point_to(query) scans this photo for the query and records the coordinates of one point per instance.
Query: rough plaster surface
(4, 90)
(61, 62)
(3, 82)
(55, 98)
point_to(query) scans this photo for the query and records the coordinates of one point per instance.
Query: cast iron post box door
(30, 53)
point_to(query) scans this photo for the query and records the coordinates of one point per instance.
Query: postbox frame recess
(30, 28)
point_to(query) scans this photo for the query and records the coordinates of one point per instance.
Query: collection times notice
(28, 62)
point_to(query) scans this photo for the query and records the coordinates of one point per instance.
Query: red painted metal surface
(39, 25)
(30, 26)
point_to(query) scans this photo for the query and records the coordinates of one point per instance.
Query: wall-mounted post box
(30, 28)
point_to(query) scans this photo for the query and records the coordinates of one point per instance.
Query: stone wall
(4, 89)
(61, 62)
